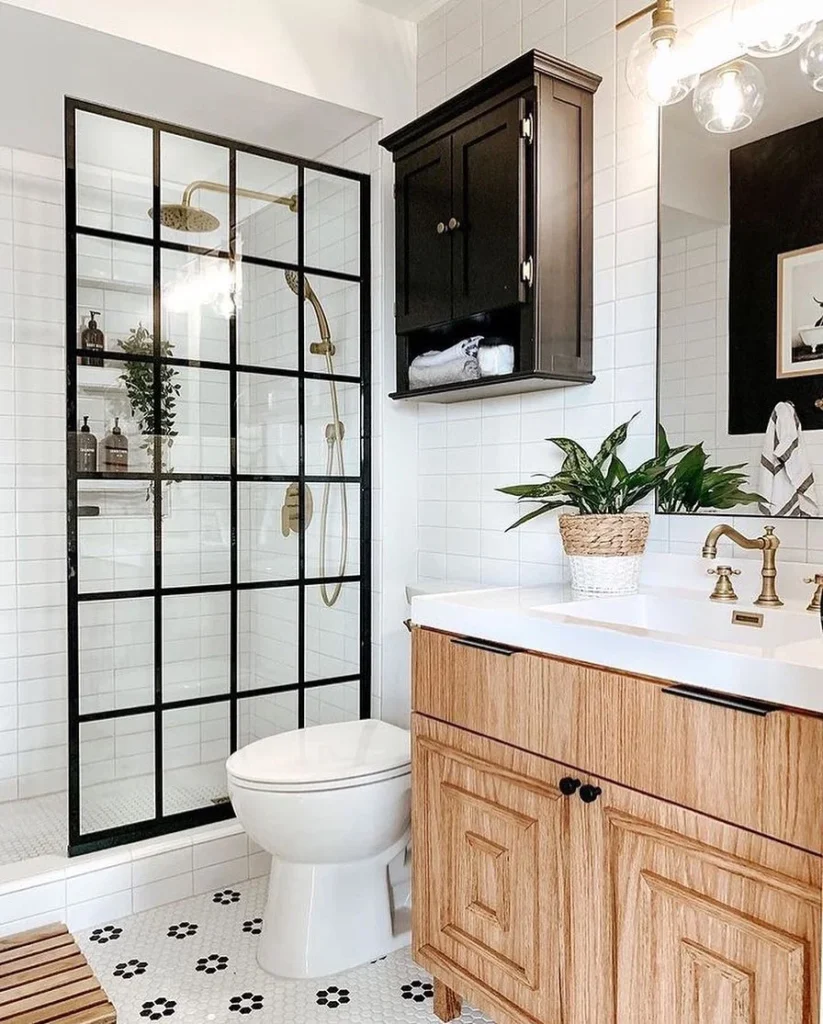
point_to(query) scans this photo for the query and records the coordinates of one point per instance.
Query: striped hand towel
(786, 478)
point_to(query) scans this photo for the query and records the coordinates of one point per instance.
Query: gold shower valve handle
(723, 589)
(441, 228)
(817, 596)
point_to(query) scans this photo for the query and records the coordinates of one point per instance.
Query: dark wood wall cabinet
(493, 207)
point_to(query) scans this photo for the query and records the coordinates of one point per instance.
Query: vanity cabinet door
(490, 905)
(710, 924)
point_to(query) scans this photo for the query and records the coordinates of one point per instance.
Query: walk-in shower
(205, 609)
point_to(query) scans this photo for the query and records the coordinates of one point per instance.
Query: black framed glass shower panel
(126, 611)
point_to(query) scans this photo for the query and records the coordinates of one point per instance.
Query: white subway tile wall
(467, 450)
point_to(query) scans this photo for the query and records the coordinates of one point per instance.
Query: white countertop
(782, 663)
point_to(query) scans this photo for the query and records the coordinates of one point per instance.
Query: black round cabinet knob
(588, 794)
(569, 786)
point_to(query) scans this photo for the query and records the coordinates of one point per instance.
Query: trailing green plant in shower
(138, 378)
(693, 484)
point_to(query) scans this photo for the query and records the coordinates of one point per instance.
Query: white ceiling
(411, 10)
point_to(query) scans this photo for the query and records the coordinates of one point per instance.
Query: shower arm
(247, 193)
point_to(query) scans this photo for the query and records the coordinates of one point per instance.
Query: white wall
(461, 518)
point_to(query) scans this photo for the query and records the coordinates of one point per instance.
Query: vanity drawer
(752, 765)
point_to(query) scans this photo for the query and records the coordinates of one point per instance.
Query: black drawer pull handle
(588, 794)
(569, 786)
(750, 707)
(483, 645)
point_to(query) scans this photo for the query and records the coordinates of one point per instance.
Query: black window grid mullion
(157, 469)
(301, 448)
(161, 822)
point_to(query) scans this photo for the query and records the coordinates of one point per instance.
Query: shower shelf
(110, 285)
(100, 380)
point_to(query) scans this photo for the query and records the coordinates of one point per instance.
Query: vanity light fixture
(729, 98)
(660, 65)
(770, 28)
(811, 60)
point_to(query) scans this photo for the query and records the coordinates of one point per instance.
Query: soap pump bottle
(86, 449)
(92, 338)
(115, 450)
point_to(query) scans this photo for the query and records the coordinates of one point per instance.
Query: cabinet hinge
(527, 271)
(527, 128)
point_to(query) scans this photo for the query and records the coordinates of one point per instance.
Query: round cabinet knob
(441, 228)
(569, 786)
(588, 794)
(454, 224)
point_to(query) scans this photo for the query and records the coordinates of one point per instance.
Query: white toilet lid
(323, 753)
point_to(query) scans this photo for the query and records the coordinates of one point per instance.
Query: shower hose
(334, 452)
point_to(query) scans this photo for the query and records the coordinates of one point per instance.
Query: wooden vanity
(597, 848)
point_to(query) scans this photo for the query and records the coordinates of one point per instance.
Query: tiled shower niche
(231, 286)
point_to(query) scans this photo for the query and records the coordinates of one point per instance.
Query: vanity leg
(447, 1003)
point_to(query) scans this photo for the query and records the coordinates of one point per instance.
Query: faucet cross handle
(723, 589)
(817, 597)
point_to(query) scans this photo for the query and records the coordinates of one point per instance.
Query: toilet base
(321, 919)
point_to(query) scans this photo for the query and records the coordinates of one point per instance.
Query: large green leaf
(613, 441)
(548, 507)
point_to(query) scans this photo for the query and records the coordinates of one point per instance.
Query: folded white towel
(459, 362)
(786, 479)
(495, 360)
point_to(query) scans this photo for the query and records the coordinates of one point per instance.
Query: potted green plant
(693, 484)
(138, 378)
(604, 540)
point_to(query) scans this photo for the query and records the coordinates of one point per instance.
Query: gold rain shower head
(183, 216)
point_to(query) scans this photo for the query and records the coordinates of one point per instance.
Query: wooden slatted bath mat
(45, 979)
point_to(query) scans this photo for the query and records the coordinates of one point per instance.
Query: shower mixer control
(331, 436)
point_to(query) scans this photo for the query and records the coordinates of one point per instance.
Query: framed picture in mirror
(800, 312)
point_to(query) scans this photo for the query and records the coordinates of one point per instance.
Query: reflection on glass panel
(326, 453)
(195, 420)
(333, 540)
(259, 717)
(265, 553)
(116, 654)
(114, 174)
(267, 424)
(339, 702)
(267, 312)
(267, 223)
(194, 192)
(115, 536)
(332, 220)
(195, 749)
(196, 646)
(197, 305)
(333, 311)
(196, 533)
(268, 637)
(332, 633)
(116, 772)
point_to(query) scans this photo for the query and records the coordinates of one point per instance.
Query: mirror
(740, 306)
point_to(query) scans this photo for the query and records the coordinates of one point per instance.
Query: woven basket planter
(605, 552)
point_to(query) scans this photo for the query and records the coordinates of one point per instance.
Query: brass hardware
(441, 228)
(632, 18)
(454, 223)
(247, 193)
(662, 12)
(290, 510)
(814, 604)
(768, 544)
(322, 348)
(527, 128)
(723, 589)
(753, 619)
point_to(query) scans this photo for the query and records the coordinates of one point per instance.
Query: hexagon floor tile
(194, 962)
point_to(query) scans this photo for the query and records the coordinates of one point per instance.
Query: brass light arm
(768, 544)
(247, 193)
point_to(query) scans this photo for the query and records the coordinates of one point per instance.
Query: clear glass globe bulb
(729, 98)
(660, 69)
(811, 60)
(770, 28)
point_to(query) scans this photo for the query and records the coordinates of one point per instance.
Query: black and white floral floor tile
(194, 962)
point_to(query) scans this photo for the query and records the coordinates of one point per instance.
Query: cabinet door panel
(488, 182)
(489, 880)
(711, 924)
(423, 199)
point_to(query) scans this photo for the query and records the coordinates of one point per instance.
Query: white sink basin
(695, 619)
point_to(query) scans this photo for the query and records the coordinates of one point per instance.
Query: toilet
(331, 804)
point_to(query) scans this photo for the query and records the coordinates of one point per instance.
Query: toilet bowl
(331, 804)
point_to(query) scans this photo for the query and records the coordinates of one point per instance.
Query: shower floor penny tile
(195, 962)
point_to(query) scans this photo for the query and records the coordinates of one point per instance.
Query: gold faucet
(768, 544)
